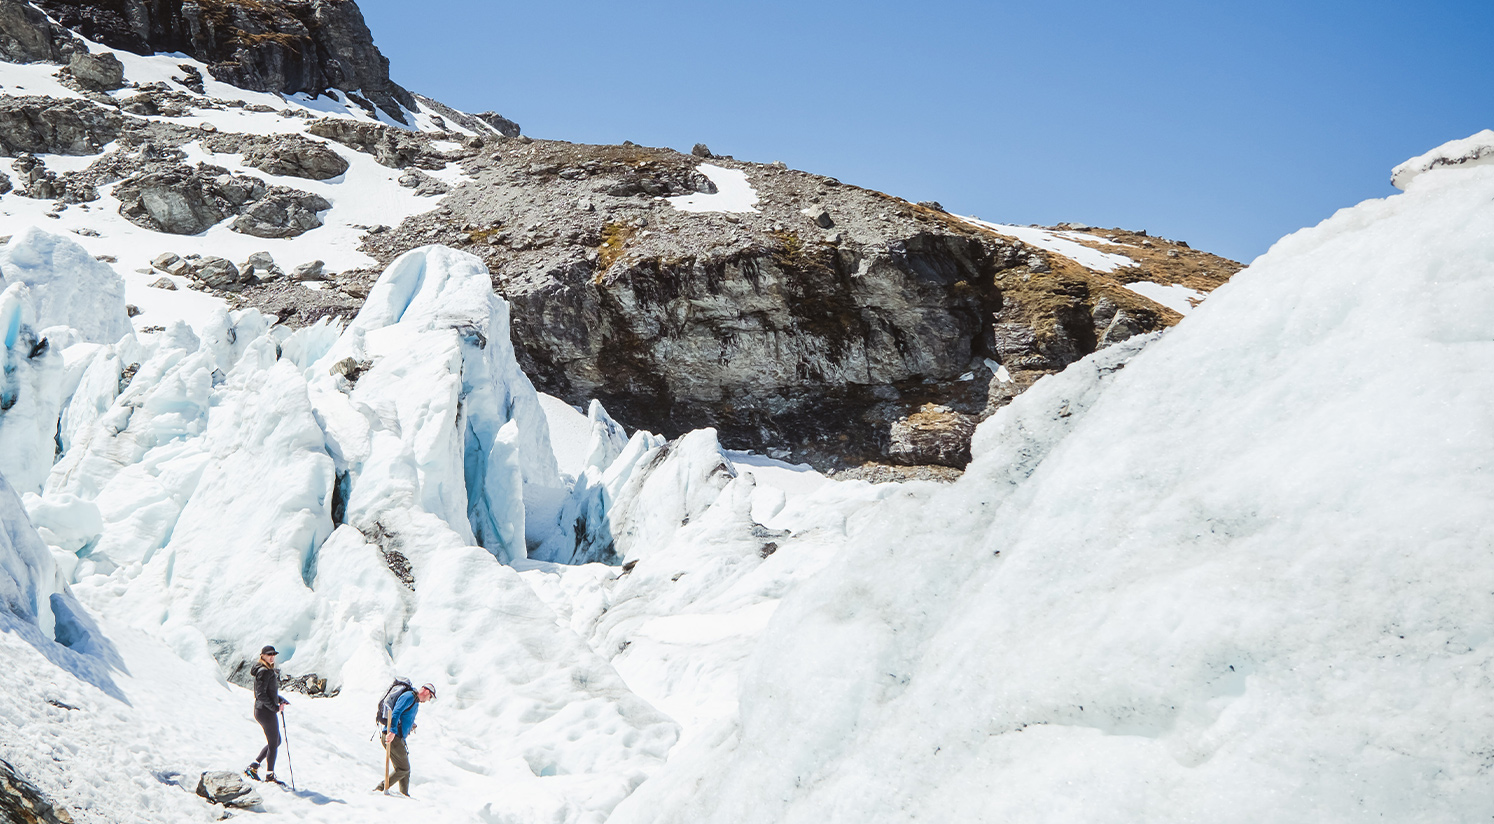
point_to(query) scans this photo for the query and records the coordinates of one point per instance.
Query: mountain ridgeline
(798, 315)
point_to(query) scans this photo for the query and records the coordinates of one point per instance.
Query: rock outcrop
(815, 320)
(934, 435)
(184, 200)
(295, 156)
(97, 72)
(283, 46)
(282, 213)
(27, 36)
(45, 125)
(22, 803)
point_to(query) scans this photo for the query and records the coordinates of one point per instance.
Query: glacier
(1239, 571)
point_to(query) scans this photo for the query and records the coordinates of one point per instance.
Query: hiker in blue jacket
(401, 721)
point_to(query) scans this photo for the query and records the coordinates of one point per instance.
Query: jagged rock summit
(284, 46)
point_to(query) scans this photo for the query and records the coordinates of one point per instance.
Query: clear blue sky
(1226, 124)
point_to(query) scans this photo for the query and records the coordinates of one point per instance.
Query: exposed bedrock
(822, 343)
(267, 45)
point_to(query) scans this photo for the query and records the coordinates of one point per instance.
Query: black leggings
(267, 720)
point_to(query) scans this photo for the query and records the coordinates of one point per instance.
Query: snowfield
(1240, 572)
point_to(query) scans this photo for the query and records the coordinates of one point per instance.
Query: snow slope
(1238, 572)
(1248, 577)
(367, 194)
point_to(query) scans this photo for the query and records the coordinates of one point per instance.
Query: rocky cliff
(285, 46)
(821, 321)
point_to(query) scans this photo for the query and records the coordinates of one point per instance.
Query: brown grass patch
(615, 237)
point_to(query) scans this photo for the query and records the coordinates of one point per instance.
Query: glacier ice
(1240, 572)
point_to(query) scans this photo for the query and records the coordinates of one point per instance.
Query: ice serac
(68, 286)
(442, 418)
(1248, 579)
(646, 492)
(30, 389)
(55, 294)
(27, 572)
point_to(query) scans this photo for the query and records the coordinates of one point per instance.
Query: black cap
(268, 650)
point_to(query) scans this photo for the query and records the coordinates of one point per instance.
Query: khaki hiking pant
(399, 766)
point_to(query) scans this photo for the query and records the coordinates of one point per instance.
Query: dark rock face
(283, 46)
(789, 343)
(27, 36)
(768, 324)
(44, 125)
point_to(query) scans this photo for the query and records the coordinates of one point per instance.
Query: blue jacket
(402, 718)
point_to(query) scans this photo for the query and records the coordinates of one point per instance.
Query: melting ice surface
(1240, 572)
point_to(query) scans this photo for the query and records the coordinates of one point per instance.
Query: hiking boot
(253, 772)
(270, 777)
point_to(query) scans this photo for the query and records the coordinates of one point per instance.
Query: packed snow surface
(1174, 296)
(1245, 576)
(734, 193)
(1477, 150)
(368, 194)
(1063, 243)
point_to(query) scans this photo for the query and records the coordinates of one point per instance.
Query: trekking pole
(288, 762)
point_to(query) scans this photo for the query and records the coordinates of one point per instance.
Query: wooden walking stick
(386, 763)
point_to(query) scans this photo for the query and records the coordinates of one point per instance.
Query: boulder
(423, 184)
(177, 201)
(98, 72)
(296, 156)
(262, 266)
(701, 150)
(5, 184)
(282, 213)
(219, 273)
(931, 204)
(308, 271)
(228, 789)
(505, 127)
(170, 263)
(164, 283)
(45, 125)
(933, 435)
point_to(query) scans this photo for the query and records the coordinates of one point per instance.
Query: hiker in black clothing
(267, 702)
